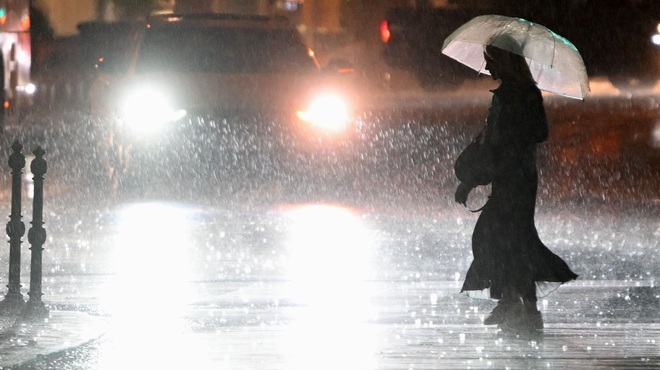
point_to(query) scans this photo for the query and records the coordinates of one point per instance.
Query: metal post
(13, 301)
(37, 237)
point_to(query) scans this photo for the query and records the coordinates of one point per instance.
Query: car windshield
(106, 45)
(186, 49)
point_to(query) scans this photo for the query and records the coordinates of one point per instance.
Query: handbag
(476, 164)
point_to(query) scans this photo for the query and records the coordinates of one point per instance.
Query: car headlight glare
(148, 109)
(328, 112)
(656, 39)
(30, 88)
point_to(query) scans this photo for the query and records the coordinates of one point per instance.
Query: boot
(498, 313)
(522, 319)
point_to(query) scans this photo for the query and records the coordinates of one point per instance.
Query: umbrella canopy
(554, 62)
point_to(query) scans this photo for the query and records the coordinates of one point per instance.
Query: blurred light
(385, 31)
(290, 6)
(148, 109)
(329, 112)
(656, 39)
(655, 136)
(310, 52)
(25, 22)
(658, 27)
(329, 252)
(147, 294)
(28, 177)
(330, 262)
(30, 88)
(24, 57)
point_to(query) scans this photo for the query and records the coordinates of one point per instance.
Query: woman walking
(511, 264)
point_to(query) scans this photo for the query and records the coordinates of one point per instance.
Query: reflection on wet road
(326, 286)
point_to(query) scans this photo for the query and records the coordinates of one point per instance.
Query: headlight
(30, 88)
(328, 112)
(147, 109)
(656, 39)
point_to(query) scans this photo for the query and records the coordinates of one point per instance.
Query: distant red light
(25, 22)
(384, 31)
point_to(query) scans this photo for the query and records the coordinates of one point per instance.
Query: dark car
(214, 66)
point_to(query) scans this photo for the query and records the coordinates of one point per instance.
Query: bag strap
(476, 210)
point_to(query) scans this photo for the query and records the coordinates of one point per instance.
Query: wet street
(320, 286)
(351, 256)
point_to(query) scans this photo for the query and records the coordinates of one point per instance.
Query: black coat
(508, 254)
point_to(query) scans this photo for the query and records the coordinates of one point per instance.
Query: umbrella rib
(482, 68)
(554, 50)
(524, 41)
(502, 31)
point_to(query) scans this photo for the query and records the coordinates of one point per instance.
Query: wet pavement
(327, 286)
(23, 341)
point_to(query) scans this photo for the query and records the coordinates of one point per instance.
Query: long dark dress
(508, 254)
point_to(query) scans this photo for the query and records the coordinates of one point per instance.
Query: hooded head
(504, 59)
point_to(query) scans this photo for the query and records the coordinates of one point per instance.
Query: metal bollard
(37, 237)
(13, 302)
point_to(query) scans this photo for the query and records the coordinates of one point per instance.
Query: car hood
(238, 92)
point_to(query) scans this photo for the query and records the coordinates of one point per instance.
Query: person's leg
(525, 316)
(528, 295)
(532, 313)
(508, 300)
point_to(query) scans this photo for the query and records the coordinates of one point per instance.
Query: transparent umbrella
(555, 62)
